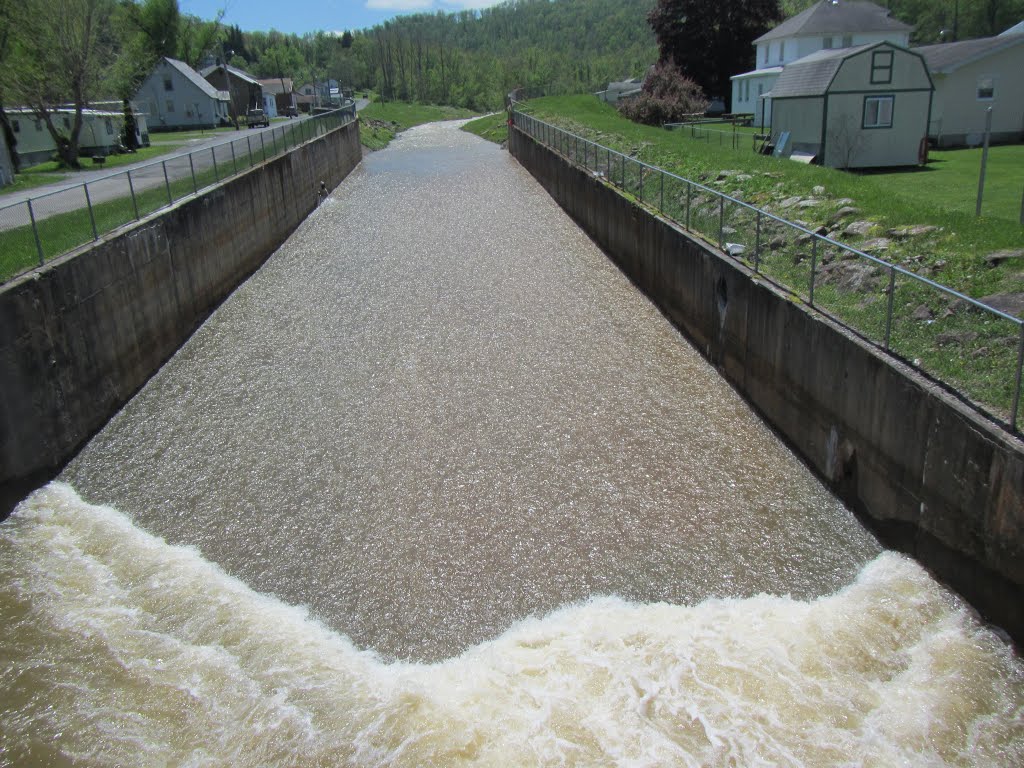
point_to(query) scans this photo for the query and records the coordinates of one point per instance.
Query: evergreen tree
(710, 40)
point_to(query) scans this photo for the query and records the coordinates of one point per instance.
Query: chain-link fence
(977, 350)
(53, 223)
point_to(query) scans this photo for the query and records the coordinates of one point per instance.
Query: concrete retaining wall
(81, 335)
(931, 476)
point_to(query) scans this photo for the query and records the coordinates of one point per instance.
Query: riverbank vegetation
(379, 122)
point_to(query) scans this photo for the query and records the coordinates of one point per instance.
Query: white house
(175, 96)
(860, 107)
(100, 133)
(970, 77)
(826, 25)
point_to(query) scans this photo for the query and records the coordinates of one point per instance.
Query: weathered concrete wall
(934, 478)
(81, 335)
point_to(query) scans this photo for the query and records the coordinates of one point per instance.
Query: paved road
(67, 194)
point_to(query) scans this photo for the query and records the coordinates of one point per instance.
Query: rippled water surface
(522, 520)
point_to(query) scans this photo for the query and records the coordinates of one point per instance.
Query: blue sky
(310, 15)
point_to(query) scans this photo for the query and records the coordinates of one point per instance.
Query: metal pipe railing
(816, 290)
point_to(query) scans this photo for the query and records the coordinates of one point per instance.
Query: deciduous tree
(60, 51)
(710, 40)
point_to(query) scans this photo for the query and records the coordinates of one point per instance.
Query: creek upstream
(438, 486)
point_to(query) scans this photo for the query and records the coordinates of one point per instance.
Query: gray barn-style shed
(861, 107)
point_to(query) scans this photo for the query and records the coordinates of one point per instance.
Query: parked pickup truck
(256, 117)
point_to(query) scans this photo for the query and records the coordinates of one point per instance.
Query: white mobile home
(970, 76)
(100, 133)
(176, 97)
(863, 107)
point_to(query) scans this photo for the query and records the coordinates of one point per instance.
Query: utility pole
(984, 160)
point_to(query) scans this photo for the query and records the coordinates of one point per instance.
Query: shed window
(782, 50)
(67, 122)
(878, 111)
(986, 88)
(881, 67)
(170, 105)
(16, 126)
(168, 84)
(110, 127)
(827, 43)
(847, 41)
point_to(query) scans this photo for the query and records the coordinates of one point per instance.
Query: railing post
(814, 264)
(216, 171)
(1016, 394)
(608, 170)
(131, 188)
(689, 199)
(888, 311)
(623, 185)
(192, 170)
(35, 233)
(721, 222)
(757, 244)
(248, 144)
(273, 137)
(640, 188)
(167, 183)
(661, 197)
(263, 146)
(234, 165)
(92, 217)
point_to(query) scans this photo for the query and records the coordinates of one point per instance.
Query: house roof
(757, 73)
(842, 17)
(945, 58)
(240, 74)
(812, 75)
(1016, 29)
(273, 85)
(197, 80)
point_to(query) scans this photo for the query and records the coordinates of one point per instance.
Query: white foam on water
(119, 649)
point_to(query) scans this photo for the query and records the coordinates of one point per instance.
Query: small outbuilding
(860, 107)
(970, 76)
(6, 165)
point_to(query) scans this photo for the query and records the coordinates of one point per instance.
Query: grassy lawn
(52, 172)
(971, 350)
(491, 127)
(950, 181)
(380, 121)
(63, 232)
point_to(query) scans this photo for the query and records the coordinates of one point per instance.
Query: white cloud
(399, 5)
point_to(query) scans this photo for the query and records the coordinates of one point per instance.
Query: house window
(110, 127)
(878, 111)
(827, 43)
(168, 84)
(986, 88)
(847, 41)
(881, 67)
(782, 50)
(170, 105)
(16, 126)
(67, 122)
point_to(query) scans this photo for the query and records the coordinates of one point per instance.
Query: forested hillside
(468, 59)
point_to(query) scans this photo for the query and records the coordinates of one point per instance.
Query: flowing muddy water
(438, 486)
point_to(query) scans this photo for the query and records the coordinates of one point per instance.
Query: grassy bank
(941, 194)
(381, 121)
(491, 127)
